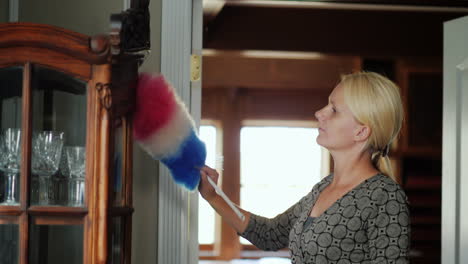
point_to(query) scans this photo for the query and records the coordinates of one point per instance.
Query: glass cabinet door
(58, 139)
(11, 93)
(9, 240)
(56, 241)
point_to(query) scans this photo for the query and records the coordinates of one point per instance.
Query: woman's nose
(319, 115)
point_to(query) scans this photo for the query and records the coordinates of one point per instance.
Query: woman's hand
(206, 190)
(221, 203)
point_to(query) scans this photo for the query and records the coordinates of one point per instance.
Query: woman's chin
(319, 141)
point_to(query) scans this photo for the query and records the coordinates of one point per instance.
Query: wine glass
(76, 158)
(10, 161)
(60, 180)
(46, 152)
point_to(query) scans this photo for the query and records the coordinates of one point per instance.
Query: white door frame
(455, 143)
(13, 14)
(181, 36)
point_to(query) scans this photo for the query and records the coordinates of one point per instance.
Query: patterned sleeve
(389, 229)
(272, 234)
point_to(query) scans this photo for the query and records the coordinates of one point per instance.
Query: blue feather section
(186, 163)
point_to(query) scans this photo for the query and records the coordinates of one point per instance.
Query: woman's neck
(352, 168)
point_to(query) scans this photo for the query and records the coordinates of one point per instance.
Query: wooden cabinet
(66, 143)
(416, 155)
(419, 153)
(422, 95)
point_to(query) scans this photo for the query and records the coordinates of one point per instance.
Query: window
(237, 111)
(279, 165)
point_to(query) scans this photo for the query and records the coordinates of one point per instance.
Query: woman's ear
(362, 133)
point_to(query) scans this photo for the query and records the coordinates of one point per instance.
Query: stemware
(46, 153)
(76, 166)
(10, 160)
(61, 179)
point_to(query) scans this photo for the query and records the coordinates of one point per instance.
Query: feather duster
(165, 129)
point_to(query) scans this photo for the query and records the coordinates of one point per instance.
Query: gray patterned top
(369, 224)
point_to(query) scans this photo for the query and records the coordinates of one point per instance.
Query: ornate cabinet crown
(65, 143)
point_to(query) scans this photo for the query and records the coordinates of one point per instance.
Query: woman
(358, 214)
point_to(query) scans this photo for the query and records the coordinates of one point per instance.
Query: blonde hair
(375, 101)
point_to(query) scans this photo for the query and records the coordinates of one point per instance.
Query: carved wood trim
(26, 163)
(98, 194)
(104, 92)
(50, 37)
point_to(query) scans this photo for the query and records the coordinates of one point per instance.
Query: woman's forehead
(336, 94)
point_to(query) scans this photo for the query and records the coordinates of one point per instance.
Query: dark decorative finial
(143, 4)
(130, 30)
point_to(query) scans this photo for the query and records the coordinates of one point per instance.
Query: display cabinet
(66, 145)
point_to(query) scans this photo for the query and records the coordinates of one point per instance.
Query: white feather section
(166, 141)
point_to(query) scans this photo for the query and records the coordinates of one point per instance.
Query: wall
(145, 170)
(86, 16)
(4, 8)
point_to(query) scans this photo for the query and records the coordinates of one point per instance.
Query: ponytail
(382, 163)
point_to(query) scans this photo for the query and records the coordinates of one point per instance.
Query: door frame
(181, 36)
(454, 232)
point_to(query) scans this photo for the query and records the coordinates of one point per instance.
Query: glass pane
(118, 165)
(117, 240)
(59, 137)
(9, 242)
(297, 167)
(56, 244)
(206, 214)
(11, 94)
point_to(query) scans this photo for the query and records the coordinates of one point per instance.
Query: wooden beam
(287, 71)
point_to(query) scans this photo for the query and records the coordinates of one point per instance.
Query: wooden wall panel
(263, 104)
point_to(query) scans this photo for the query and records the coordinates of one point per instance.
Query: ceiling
(308, 45)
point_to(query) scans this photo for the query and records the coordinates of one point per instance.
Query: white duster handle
(229, 202)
